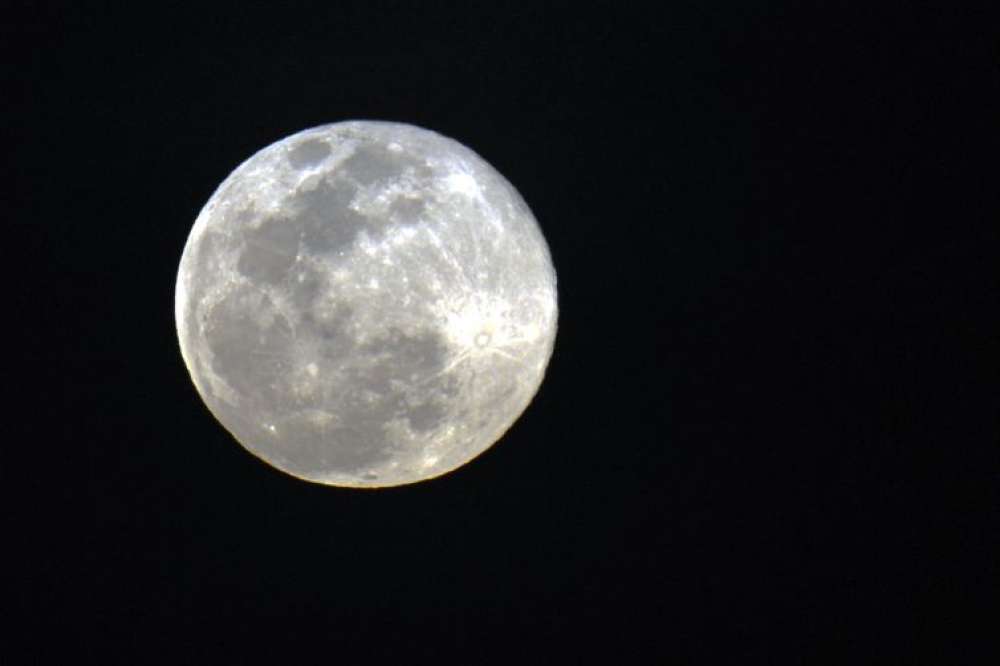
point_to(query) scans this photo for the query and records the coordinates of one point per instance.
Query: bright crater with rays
(366, 304)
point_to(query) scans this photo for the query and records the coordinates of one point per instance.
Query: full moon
(366, 304)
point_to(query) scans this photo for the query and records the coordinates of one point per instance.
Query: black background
(768, 427)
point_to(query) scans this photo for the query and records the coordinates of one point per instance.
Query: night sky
(768, 428)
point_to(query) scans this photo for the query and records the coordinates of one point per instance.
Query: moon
(366, 304)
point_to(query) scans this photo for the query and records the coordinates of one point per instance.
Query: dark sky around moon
(766, 424)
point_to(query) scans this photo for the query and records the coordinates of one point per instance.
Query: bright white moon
(366, 304)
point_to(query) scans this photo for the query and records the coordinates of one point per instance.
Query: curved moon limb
(366, 304)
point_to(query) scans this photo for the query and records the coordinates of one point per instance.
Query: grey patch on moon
(366, 304)
(270, 251)
(407, 211)
(306, 287)
(373, 163)
(324, 215)
(308, 153)
(426, 416)
(329, 331)
(251, 364)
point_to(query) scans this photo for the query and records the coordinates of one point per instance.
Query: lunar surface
(366, 304)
